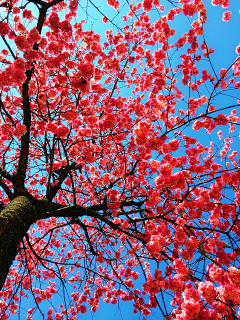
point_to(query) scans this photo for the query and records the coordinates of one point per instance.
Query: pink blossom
(51, 127)
(152, 287)
(27, 14)
(180, 235)
(121, 49)
(207, 291)
(191, 308)
(83, 309)
(174, 144)
(180, 267)
(176, 284)
(216, 274)
(5, 129)
(85, 70)
(34, 35)
(21, 42)
(147, 5)
(113, 3)
(158, 274)
(155, 244)
(54, 47)
(4, 28)
(54, 21)
(73, 5)
(20, 130)
(65, 26)
(62, 131)
(189, 9)
(105, 19)
(228, 292)
(226, 16)
(166, 169)
(234, 276)
(223, 73)
(70, 115)
(238, 49)
(153, 197)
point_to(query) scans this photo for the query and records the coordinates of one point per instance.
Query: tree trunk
(15, 221)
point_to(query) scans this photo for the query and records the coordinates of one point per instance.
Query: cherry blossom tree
(119, 175)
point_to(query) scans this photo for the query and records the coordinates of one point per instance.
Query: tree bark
(15, 221)
(17, 217)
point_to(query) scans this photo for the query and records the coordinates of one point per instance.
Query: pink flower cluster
(70, 115)
(166, 169)
(190, 306)
(20, 130)
(86, 71)
(234, 276)
(54, 21)
(4, 28)
(121, 49)
(141, 132)
(153, 286)
(147, 5)
(180, 267)
(177, 181)
(189, 9)
(14, 74)
(60, 130)
(226, 16)
(153, 197)
(159, 56)
(155, 244)
(207, 291)
(113, 3)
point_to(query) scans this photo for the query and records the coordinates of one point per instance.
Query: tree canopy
(119, 164)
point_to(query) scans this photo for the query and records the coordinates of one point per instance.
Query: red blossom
(4, 28)
(62, 131)
(226, 16)
(27, 14)
(21, 42)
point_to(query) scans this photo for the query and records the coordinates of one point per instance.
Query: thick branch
(15, 220)
(40, 2)
(104, 206)
(76, 211)
(22, 212)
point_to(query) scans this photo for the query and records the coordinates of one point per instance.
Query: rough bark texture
(15, 221)
(19, 215)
